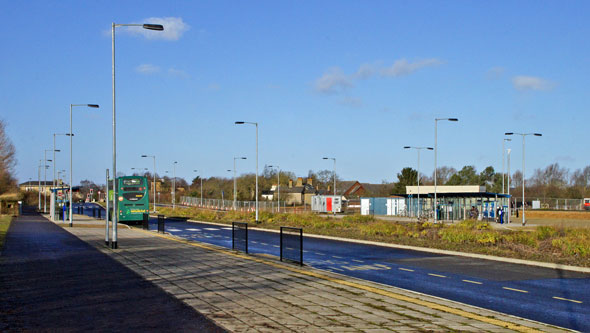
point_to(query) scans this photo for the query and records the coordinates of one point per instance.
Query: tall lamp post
(71, 135)
(174, 184)
(55, 150)
(255, 124)
(509, 201)
(39, 180)
(503, 161)
(278, 186)
(156, 27)
(523, 146)
(154, 178)
(418, 176)
(333, 171)
(45, 179)
(436, 120)
(236, 184)
(201, 178)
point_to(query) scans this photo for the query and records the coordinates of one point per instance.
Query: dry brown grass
(558, 214)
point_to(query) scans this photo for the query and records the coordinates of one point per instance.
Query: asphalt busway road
(552, 296)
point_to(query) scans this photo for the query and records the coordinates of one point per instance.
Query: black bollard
(99, 213)
(93, 211)
(146, 225)
(161, 226)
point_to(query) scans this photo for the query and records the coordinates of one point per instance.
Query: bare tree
(7, 161)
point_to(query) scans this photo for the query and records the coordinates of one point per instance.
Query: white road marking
(193, 229)
(519, 290)
(406, 269)
(173, 229)
(357, 260)
(566, 299)
(211, 229)
(469, 281)
(437, 275)
(227, 228)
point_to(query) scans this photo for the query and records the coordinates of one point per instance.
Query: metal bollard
(93, 211)
(81, 210)
(161, 226)
(99, 213)
(146, 225)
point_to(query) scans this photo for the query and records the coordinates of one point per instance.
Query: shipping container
(326, 203)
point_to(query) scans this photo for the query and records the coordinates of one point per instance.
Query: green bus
(133, 198)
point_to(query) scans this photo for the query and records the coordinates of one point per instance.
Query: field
(559, 218)
(556, 244)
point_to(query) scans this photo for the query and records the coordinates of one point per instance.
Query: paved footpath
(245, 293)
(50, 280)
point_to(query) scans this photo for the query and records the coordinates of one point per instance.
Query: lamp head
(57, 150)
(93, 106)
(239, 122)
(429, 148)
(538, 134)
(508, 133)
(453, 119)
(156, 27)
(143, 155)
(407, 147)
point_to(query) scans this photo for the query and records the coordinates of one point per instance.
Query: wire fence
(241, 206)
(558, 203)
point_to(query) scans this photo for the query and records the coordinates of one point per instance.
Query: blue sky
(354, 80)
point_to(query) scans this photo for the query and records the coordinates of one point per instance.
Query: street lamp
(156, 27)
(504, 161)
(201, 178)
(333, 171)
(436, 120)
(418, 176)
(256, 124)
(523, 135)
(235, 184)
(154, 178)
(174, 184)
(54, 150)
(72, 135)
(45, 178)
(278, 186)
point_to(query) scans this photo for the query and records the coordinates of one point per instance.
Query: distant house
(294, 194)
(34, 185)
(355, 189)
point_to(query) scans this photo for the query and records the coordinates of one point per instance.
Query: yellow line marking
(437, 275)
(520, 291)
(409, 299)
(569, 300)
(406, 269)
(469, 281)
(357, 260)
(275, 246)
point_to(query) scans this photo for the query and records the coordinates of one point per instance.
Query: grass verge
(4, 225)
(562, 245)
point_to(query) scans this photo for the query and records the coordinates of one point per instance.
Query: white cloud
(214, 87)
(365, 71)
(351, 101)
(403, 67)
(522, 82)
(147, 69)
(174, 27)
(495, 72)
(332, 81)
(177, 73)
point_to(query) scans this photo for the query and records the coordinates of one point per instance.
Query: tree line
(552, 181)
